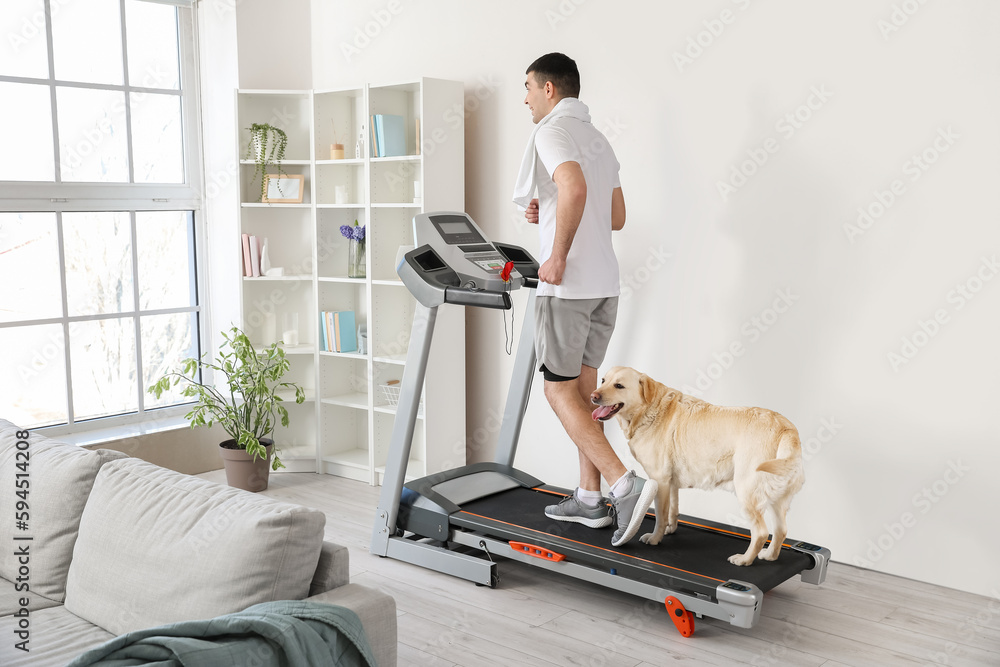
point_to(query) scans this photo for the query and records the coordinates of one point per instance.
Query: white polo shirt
(591, 267)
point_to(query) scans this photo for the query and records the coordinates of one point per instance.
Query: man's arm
(617, 209)
(570, 202)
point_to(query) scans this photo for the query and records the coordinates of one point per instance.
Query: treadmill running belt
(520, 514)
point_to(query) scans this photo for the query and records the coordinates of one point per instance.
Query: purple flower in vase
(355, 233)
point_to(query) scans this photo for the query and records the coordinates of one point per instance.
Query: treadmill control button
(736, 587)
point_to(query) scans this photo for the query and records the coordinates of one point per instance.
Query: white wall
(274, 44)
(700, 268)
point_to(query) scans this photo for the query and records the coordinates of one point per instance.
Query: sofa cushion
(55, 637)
(157, 546)
(59, 480)
(11, 599)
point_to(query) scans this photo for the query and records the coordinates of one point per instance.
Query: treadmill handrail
(477, 298)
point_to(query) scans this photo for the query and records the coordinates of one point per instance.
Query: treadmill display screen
(456, 229)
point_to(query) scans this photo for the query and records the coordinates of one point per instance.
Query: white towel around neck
(524, 188)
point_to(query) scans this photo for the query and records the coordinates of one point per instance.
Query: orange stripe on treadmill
(554, 493)
(728, 532)
(687, 523)
(506, 523)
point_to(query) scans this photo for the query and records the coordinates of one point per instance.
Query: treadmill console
(455, 262)
(463, 246)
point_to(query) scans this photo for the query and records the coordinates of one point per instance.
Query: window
(99, 203)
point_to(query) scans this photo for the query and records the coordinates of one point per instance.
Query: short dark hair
(561, 70)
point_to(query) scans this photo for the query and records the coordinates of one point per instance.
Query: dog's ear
(647, 390)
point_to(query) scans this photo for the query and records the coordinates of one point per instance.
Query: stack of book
(251, 256)
(337, 331)
(388, 135)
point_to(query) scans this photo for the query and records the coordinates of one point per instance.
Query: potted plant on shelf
(262, 134)
(250, 411)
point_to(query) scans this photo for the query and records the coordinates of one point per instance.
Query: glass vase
(356, 259)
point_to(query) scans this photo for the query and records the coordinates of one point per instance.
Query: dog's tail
(789, 454)
(780, 467)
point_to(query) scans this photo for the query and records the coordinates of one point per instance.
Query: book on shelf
(388, 135)
(345, 331)
(338, 331)
(255, 256)
(247, 265)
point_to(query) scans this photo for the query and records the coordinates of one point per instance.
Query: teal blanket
(285, 633)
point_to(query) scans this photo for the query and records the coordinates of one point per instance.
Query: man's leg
(567, 321)
(590, 476)
(587, 434)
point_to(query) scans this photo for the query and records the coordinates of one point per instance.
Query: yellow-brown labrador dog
(685, 442)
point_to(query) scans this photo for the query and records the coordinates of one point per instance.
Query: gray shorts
(572, 332)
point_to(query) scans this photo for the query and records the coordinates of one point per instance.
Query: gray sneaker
(571, 509)
(631, 507)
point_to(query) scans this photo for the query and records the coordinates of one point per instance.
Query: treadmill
(464, 521)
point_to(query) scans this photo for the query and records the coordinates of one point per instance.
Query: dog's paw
(768, 554)
(650, 539)
(670, 529)
(740, 559)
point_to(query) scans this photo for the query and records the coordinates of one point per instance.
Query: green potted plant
(248, 413)
(262, 134)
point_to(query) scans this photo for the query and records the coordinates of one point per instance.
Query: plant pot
(241, 471)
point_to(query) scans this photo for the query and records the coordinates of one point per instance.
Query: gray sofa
(112, 544)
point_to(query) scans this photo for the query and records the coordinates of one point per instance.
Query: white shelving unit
(345, 425)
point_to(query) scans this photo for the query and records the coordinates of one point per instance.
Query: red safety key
(505, 274)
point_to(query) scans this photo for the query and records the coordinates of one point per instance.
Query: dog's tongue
(602, 412)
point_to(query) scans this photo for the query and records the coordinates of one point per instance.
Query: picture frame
(284, 188)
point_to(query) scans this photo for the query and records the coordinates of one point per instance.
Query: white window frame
(58, 198)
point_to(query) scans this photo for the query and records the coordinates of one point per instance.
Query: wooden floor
(857, 617)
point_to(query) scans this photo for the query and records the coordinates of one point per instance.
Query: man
(579, 203)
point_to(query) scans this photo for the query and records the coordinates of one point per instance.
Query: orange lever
(537, 551)
(682, 618)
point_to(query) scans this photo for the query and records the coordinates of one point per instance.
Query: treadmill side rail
(741, 608)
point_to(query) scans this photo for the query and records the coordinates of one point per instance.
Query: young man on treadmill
(579, 203)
